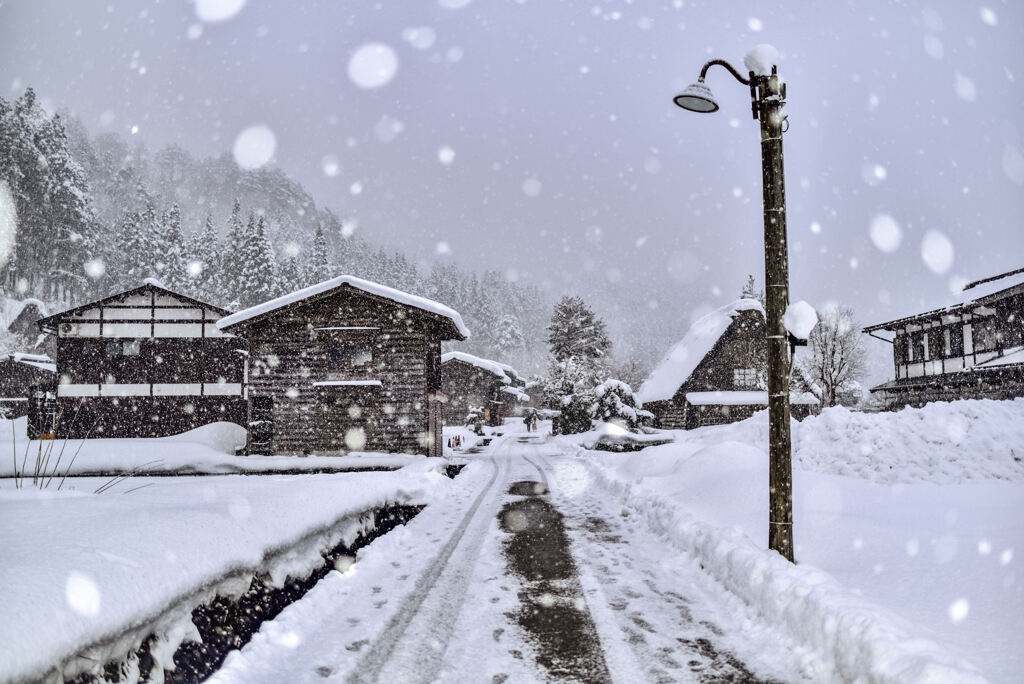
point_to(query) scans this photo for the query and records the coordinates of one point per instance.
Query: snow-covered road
(458, 594)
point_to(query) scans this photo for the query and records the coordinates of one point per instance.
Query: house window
(956, 340)
(744, 377)
(350, 354)
(123, 348)
(985, 335)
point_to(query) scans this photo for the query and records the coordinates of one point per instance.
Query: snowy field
(908, 530)
(206, 450)
(83, 570)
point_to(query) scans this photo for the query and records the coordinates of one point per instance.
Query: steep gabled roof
(982, 291)
(492, 367)
(686, 355)
(327, 288)
(150, 285)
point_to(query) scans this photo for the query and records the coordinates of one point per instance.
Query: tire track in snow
(399, 653)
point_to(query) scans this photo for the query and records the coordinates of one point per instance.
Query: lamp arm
(729, 67)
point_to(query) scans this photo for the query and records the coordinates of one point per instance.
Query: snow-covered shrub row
(855, 639)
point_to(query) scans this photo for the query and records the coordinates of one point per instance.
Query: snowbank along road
(530, 572)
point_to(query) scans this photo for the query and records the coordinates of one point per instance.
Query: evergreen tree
(289, 277)
(256, 265)
(234, 243)
(318, 267)
(575, 332)
(750, 291)
(172, 263)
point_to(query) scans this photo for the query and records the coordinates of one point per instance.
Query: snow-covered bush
(616, 403)
(475, 419)
(576, 413)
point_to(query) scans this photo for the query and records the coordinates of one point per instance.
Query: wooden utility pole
(770, 97)
(767, 97)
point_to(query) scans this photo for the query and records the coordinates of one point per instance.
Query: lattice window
(744, 377)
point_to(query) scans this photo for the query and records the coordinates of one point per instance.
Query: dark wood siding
(290, 351)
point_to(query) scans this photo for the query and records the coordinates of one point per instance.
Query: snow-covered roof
(357, 283)
(751, 398)
(517, 393)
(40, 361)
(1010, 356)
(10, 309)
(492, 367)
(686, 355)
(347, 383)
(978, 292)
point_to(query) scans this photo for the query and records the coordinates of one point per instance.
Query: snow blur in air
(958, 609)
(372, 65)
(446, 155)
(330, 165)
(8, 223)
(937, 251)
(254, 147)
(218, 10)
(387, 129)
(531, 187)
(453, 4)
(94, 268)
(886, 233)
(82, 594)
(420, 37)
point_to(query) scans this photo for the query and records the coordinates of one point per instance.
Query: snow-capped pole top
(686, 355)
(761, 58)
(377, 289)
(155, 282)
(800, 319)
(493, 367)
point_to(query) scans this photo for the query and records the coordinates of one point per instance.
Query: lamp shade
(697, 98)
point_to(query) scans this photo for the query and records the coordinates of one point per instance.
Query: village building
(970, 349)
(22, 376)
(717, 373)
(345, 365)
(148, 362)
(472, 383)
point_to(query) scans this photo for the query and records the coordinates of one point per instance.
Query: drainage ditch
(228, 623)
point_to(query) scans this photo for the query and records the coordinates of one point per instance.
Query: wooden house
(345, 365)
(148, 362)
(717, 373)
(471, 382)
(970, 349)
(21, 376)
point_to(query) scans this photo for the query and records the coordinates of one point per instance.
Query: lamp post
(767, 97)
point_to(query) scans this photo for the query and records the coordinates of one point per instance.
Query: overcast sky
(540, 137)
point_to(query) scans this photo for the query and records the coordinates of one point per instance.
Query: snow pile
(800, 319)
(92, 575)
(920, 511)
(943, 442)
(356, 283)
(207, 450)
(859, 640)
(761, 59)
(687, 354)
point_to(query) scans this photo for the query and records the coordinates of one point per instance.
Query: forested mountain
(98, 215)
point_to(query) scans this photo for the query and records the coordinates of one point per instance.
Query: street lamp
(767, 97)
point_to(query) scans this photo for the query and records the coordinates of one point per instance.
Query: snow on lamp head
(697, 98)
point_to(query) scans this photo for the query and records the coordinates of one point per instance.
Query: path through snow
(447, 599)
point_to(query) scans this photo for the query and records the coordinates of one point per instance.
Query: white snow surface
(41, 361)
(82, 571)
(800, 319)
(744, 398)
(357, 283)
(906, 530)
(208, 449)
(687, 354)
(760, 59)
(493, 367)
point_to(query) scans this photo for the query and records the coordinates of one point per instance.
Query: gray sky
(572, 168)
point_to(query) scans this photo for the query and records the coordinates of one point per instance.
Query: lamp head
(697, 98)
